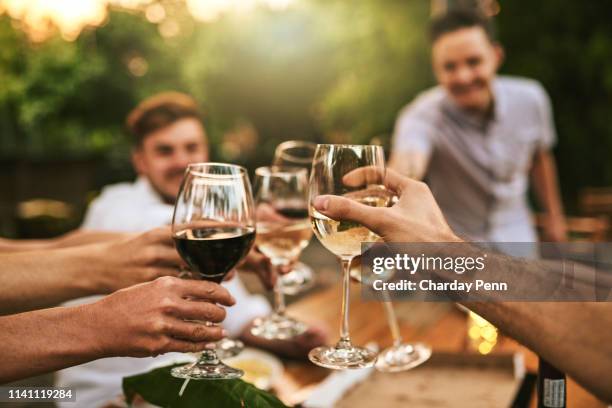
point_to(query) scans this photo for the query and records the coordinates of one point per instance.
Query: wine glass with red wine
(213, 228)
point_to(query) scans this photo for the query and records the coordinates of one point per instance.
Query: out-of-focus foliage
(381, 59)
(70, 98)
(326, 70)
(568, 47)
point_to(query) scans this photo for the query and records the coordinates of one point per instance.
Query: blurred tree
(268, 69)
(381, 55)
(568, 47)
(321, 69)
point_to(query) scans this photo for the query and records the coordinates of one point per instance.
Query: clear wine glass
(400, 356)
(356, 172)
(283, 231)
(296, 153)
(213, 228)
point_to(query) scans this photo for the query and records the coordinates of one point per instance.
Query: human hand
(259, 264)
(138, 258)
(415, 217)
(151, 318)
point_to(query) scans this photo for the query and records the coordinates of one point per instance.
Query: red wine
(551, 386)
(214, 251)
(293, 212)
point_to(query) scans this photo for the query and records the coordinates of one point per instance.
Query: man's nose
(181, 159)
(463, 75)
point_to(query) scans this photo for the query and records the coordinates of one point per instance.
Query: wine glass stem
(345, 340)
(392, 319)
(279, 295)
(208, 357)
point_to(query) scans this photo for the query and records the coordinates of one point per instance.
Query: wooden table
(444, 328)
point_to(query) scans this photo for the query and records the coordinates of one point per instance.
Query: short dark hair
(457, 19)
(159, 111)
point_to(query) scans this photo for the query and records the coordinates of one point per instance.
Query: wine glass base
(342, 358)
(300, 279)
(402, 357)
(277, 327)
(197, 371)
(226, 348)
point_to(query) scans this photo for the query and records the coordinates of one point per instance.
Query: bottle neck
(552, 390)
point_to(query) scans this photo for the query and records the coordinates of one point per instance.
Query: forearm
(74, 238)
(573, 336)
(410, 164)
(565, 334)
(14, 245)
(46, 340)
(84, 237)
(544, 178)
(40, 279)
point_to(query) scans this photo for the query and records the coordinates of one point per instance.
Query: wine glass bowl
(295, 153)
(213, 227)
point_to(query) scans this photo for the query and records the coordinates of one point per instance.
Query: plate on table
(261, 368)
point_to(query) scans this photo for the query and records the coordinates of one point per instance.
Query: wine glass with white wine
(283, 231)
(401, 355)
(355, 172)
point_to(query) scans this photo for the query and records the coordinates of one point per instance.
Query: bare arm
(43, 278)
(544, 180)
(411, 164)
(143, 320)
(36, 279)
(74, 238)
(574, 337)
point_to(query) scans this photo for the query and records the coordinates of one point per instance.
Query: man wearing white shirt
(169, 134)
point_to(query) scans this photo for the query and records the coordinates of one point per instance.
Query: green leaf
(158, 387)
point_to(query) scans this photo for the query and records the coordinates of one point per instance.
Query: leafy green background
(330, 70)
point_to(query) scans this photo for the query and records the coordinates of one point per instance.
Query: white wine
(344, 238)
(283, 241)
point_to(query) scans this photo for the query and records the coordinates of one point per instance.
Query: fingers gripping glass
(213, 228)
(296, 153)
(283, 231)
(355, 172)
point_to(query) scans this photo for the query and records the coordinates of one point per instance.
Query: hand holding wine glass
(214, 228)
(333, 173)
(156, 317)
